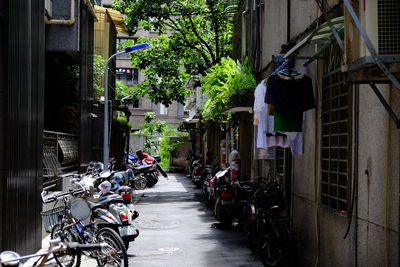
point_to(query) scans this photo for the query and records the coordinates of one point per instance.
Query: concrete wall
(320, 231)
(378, 178)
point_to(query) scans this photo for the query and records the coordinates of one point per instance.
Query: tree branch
(202, 40)
(188, 43)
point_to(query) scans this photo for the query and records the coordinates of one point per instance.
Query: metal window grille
(389, 27)
(336, 142)
(280, 161)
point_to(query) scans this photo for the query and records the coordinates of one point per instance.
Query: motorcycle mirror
(105, 174)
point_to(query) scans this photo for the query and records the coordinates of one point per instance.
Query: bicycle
(68, 226)
(276, 239)
(11, 258)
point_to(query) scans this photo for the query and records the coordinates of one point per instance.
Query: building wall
(320, 231)
(21, 124)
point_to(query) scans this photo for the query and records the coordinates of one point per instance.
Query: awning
(322, 34)
(116, 17)
(324, 47)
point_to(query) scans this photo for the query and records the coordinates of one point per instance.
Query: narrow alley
(176, 229)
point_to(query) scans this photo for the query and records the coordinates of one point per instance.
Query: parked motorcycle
(208, 174)
(111, 204)
(197, 169)
(223, 195)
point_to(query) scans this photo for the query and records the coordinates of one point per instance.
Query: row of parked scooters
(255, 206)
(99, 209)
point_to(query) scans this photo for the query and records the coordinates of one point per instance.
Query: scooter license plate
(127, 230)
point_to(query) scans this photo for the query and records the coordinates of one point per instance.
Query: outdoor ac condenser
(381, 20)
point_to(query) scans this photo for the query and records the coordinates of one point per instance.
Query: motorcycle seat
(105, 201)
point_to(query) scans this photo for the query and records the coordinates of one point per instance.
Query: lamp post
(106, 150)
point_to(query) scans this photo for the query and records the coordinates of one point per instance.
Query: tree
(194, 36)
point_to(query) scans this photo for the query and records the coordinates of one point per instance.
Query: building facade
(36, 94)
(343, 189)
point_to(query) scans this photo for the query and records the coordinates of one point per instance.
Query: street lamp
(106, 150)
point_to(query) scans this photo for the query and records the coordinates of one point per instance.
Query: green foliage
(224, 81)
(165, 78)
(123, 122)
(149, 117)
(166, 149)
(153, 127)
(122, 90)
(98, 76)
(194, 35)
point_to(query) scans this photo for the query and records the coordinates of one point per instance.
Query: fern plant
(223, 82)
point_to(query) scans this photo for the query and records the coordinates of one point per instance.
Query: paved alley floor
(176, 229)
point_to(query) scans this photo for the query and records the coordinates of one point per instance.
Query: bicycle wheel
(277, 245)
(62, 258)
(114, 256)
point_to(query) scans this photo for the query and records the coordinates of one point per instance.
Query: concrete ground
(176, 229)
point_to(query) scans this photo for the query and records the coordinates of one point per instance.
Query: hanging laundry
(264, 120)
(290, 93)
(267, 138)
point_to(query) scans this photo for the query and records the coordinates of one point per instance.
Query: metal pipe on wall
(356, 141)
(289, 6)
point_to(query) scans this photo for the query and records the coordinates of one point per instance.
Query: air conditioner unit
(381, 20)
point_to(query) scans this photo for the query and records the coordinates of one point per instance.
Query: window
(132, 103)
(128, 76)
(181, 110)
(280, 161)
(162, 109)
(335, 143)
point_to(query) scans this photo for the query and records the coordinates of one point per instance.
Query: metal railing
(60, 155)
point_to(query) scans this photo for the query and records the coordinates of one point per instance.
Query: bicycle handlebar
(60, 195)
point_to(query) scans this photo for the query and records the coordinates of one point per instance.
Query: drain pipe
(356, 149)
(289, 7)
(69, 21)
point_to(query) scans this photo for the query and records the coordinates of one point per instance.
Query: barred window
(280, 161)
(335, 143)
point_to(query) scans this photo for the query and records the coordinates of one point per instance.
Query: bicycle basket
(52, 217)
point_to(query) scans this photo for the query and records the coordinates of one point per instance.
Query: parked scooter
(197, 169)
(208, 174)
(112, 203)
(223, 195)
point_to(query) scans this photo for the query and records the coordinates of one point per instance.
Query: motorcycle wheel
(218, 211)
(63, 259)
(139, 183)
(277, 250)
(116, 255)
